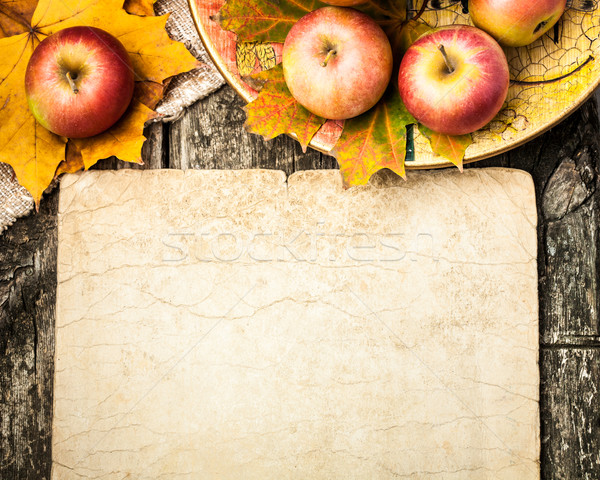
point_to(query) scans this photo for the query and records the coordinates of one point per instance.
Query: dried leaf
(144, 8)
(264, 20)
(390, 14)
(271, 20)
(275, 111)
(450, 147)
(31, 150)
(53, 15)
(374, 140)
(34, 153)
(37, 163)
(381, 9)
(153, 54)
(15, 16)
(124, 140)
(252, 57)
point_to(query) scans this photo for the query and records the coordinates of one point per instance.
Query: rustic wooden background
(565, 164)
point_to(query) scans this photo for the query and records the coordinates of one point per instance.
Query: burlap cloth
(183, 90)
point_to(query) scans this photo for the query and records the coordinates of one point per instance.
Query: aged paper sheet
(245, 325)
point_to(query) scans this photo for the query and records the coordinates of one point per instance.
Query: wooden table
(565, 164)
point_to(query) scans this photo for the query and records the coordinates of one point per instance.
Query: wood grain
(570, 414)
(27, 301)
(568, 271)
(211, 135)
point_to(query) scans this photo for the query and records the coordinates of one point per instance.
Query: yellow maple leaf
(125, 137)
(31, 150)
(34, 153)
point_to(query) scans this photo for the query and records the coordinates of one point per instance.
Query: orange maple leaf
(374, 140)
(34, 153)
(275, 111)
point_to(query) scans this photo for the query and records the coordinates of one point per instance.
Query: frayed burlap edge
(189, 87)
(15, 201)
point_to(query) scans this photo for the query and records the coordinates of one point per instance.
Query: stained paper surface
(241, 324)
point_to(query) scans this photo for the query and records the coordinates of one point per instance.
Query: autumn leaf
(450, 147)
(264, 20)
(150, 93)
(254, 56)
(33, 152)
(386, 12)
(153, 54)
(275, 111)
(271, 20)
(390, 14)
(126, 138)
(15, 16)
(374, 140)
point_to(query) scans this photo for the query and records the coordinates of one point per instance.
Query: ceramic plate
(550, 78)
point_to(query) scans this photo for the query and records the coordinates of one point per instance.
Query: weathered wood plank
(570, 413)
(565, 171)
(27, 312)
(211, 135)
(570, 296)
(569, 204)
(154, 152)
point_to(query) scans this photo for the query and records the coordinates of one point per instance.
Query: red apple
(337, 62)
(454, 80)
(79, 82)
(515, 23)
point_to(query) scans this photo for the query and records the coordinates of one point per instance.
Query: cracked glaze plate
(551, 78)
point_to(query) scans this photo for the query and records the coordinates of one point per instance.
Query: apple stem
(72, 83)
(330, 53)
(446, 59)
